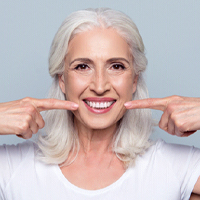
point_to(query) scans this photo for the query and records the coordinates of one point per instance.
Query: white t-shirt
(164, 172)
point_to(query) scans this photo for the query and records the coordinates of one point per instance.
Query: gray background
(170, 30)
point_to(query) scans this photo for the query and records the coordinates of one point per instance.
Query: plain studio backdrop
(170, 31)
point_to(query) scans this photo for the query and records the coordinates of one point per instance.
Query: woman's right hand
(22, 117)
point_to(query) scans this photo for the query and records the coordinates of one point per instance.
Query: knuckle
(24, 127)
(27, 118)
(170, 108)
(180, 125)
(35, 131)
(174, 117)
(174, 101)
(183, 128)
(31, 109)
(27, 105)
(26, 99)
(176, 97)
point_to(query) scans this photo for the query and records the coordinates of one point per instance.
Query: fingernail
(74, 105)
(127, 104)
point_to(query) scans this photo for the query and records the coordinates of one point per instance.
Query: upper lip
(98, 99)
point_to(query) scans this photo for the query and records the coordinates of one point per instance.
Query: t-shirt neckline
(71, 186)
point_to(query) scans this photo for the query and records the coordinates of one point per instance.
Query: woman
(96, 144)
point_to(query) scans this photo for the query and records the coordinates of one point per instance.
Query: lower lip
(99, 111)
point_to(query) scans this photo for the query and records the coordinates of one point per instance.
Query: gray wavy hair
(60, 138)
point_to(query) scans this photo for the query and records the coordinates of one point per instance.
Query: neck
(95, 141)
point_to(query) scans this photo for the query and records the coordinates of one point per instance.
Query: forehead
(98, 43)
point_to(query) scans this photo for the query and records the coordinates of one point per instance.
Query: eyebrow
(87, 60)
(117, 59)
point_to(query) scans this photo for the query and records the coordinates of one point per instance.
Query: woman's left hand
(181, 115)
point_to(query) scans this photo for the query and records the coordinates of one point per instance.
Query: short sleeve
(10, 158)
(185, 162)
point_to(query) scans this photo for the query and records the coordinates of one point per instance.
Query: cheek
(124, 86)
(75, 86)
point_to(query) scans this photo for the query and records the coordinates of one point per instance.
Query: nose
(100, 83)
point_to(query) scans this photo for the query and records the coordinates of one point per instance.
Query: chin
(97, 124)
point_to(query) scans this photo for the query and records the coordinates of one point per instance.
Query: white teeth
(109, 104)
(99, 105)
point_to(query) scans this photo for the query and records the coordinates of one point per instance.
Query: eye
(81, 67)
(118, 67)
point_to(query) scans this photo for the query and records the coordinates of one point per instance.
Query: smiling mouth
(99, 105)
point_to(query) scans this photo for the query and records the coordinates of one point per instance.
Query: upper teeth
(99, 104)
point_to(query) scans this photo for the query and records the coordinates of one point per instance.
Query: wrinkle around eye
(121, 70)
(83, 69)
(118, 69)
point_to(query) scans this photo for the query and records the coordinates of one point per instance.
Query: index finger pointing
(50, 104)
(152, 103)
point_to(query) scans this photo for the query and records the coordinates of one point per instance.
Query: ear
(135, 83)
(61, 82)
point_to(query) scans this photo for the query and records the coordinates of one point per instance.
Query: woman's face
(98, 76)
